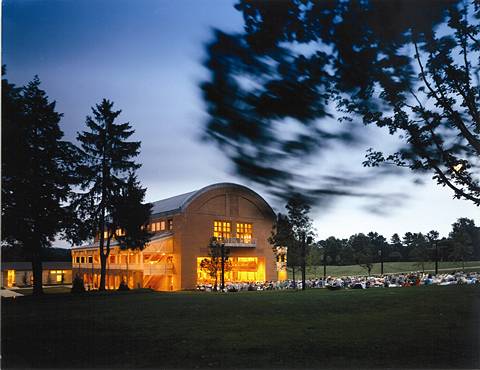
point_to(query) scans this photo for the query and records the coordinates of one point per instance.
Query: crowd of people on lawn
(355, 282)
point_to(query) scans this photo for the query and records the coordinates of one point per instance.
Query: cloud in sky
(147, 56)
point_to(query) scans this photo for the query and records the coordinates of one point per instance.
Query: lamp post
(380, 254)
(305, 241)
(324, 264)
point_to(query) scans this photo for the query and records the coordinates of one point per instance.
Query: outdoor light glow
(458, 167)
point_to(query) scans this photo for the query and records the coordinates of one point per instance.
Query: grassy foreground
(421, 327)
(389, 268)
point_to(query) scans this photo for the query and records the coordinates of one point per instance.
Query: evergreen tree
(36, 172)
(131, 215)
(108, 160)
(396, 246)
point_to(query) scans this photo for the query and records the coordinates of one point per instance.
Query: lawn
(388, 268)
(436, 326)
(46, 290)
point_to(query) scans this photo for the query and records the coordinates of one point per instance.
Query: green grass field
(421, 327)
(389, 267)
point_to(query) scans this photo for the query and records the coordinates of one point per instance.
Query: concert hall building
(182, 227)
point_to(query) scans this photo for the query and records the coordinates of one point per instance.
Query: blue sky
(147, 57)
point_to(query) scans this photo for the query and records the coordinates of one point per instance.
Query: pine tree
(131, 216)
(36, 172)
(108, 161)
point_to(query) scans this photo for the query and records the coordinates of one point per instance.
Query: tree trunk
(128, 256)
(304, 265)
(104, 253)
(37, 273)
(223, 267)
(103, 270)
(294, 281)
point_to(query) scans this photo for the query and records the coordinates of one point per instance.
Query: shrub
(77, 285)
(123, 286)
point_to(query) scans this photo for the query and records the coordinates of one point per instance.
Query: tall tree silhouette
(363, 251)
(131, 215)
(464, 240)
(108, 160)
(302, 230)
(412, 68)
(36, 172)
(282, 236)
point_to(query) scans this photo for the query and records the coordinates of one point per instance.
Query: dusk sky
(147, 57)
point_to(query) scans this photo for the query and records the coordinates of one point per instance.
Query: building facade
(20, 274)
(182, 228)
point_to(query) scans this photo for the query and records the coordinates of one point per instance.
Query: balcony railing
(239, 242)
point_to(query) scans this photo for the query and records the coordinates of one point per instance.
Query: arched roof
(180, 202)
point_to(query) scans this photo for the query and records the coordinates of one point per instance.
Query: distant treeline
(462, 244)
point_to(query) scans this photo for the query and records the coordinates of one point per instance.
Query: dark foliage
(131, 215)
(218, 254)
(462, 244)
(109, 187)
(38, 169)
(274, 90)
(16, 253)
(294, 231)
(78, 285)
(123, 286)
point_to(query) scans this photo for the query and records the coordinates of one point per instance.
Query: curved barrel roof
(178, 203)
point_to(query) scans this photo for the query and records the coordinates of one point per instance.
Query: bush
(77, 285)
(123, 286)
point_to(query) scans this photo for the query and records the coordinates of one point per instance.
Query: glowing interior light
(458, 167)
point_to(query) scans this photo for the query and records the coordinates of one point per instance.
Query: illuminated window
(90, 259)
(120, 232)
(170, 224)
(105, 234)
(157, 226)
(244, 232)
(221, 229)
(10, 278)
(59, 278)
